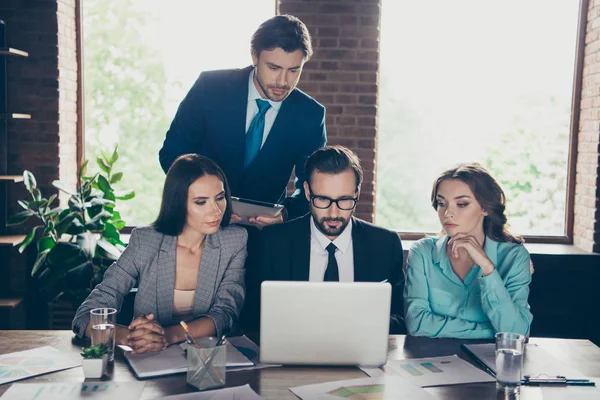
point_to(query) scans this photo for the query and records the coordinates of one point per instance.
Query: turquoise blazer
(438, 304)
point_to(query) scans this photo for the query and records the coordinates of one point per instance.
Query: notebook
(173, 360)
(535, 362)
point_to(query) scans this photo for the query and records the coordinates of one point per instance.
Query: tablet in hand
(247, 208)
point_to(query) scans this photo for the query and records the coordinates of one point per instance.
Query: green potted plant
(94, 360)
(76, 244)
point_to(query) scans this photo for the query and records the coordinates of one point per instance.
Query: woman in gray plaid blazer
(189, 265)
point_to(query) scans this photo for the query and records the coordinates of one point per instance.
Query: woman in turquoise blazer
(473, 280)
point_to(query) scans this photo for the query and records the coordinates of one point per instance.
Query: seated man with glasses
(329, 244)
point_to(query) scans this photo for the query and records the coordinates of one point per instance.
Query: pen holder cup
(207, 364)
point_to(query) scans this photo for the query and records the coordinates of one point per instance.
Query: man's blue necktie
(254, 136)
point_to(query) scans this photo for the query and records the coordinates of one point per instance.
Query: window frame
(573, 142)
(573, 134)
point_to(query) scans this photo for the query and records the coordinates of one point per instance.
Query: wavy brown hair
(489, 195)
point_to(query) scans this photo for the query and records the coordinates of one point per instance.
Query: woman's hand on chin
(473, 249)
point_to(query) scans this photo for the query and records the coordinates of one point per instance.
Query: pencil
(188, 335)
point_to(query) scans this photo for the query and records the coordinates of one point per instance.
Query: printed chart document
(38, 361)
(73, 391)
(173, 360)
(435, 371)
(384, 388)
(232, 393)
(535, 362)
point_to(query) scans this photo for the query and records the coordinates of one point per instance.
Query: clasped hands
(146, 335)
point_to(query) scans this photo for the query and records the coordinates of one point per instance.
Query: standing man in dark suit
(254, 122)
(329, 244)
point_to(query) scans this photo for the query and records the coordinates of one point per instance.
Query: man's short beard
(321, 226)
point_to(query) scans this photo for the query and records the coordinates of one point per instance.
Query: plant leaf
(103, 165)
(125, 194)
(39, 262)
(64, 254)
(103, 184)
(19, 218)
(83, 169)
(45, 243)
(116, 177)
(29, 180)
(28, 239)
(64, 222)
(23, 204)
(107, 250)
(115, 155)
(37, 195)
(37, 204)
(51, 199)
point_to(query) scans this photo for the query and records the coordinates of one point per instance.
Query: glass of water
(103, 328)
(509, 361)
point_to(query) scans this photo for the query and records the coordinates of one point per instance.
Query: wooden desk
(273, 383)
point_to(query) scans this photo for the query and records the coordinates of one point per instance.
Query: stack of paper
(41, 360)
(232, 393)
(384, 388)
(74, 391)
(434, 371)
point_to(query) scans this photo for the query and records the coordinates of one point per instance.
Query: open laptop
(324, 323)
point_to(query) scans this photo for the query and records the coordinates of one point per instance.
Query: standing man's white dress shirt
(252, 109)
(319, 256)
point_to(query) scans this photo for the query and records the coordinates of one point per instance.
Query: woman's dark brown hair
(488, 194)
(173, 209)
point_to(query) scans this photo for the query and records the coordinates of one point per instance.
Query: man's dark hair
(334, 160)
(284, 31)
(186, 170)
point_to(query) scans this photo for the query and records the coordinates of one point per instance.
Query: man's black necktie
(331, 273)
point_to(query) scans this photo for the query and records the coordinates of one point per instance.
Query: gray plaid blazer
(149, 262)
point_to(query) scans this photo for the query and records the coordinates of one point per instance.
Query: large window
(140, 59)
(471, 80)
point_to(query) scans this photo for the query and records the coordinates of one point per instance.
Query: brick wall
(44, 86)
(586, 230)
(342, 76)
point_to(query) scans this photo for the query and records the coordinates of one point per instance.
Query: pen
(188, 337)
(565, 383)
(556, 381)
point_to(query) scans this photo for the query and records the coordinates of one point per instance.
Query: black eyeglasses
(324, 202)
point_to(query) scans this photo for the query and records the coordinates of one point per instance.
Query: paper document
(172, 360)
(436, 371)
(41, 360)
(535, 361)
(73, 391)
(384, 388)
(233, 393)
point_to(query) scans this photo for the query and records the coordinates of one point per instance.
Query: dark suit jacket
(211, 121)
(285, 256)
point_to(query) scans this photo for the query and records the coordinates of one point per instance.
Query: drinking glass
(509, 361)
(103, 328)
